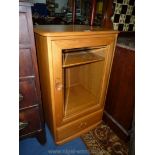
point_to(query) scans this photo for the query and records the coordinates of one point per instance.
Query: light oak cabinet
(74, 65)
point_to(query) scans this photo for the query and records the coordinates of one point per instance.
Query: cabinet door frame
(56, 53)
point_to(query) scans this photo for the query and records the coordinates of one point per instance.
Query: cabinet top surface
(64, 30)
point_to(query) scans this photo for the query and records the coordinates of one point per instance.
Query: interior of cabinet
(83, 74)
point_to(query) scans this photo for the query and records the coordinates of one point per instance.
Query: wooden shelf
(79, 58)
(78, 98)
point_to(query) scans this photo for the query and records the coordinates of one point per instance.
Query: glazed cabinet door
(81, 70)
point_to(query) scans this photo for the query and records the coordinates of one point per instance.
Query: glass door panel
(83, 73)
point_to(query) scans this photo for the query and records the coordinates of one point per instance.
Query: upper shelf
(84, 57)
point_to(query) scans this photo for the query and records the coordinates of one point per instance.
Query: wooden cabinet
(119, 107)
(30, 109)
(74, 66)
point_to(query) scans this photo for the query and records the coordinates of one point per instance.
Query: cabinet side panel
(119, 105)
(109, 62)
(45, 79)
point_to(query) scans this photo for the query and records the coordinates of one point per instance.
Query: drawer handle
(23, 125)
(20, 97)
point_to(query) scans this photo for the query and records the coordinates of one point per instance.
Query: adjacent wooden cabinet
(31, 122)
(74, 66)
(120, 101)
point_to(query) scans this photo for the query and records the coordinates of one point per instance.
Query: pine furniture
(74, 66)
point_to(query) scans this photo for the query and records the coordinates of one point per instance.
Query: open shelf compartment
(74, 57)
(83, 84)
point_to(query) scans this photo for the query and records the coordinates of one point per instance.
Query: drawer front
(27, 93)
(78, 126)
(29, 121)
(25, 63)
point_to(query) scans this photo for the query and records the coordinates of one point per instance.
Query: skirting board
(115, 126)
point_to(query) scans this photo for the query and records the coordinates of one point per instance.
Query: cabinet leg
(41, 137)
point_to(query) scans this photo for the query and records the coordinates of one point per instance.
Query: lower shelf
(78, 98)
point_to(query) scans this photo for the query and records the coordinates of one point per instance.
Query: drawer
(30, 120)
(27, 93)
(78, 126)
(25, 62)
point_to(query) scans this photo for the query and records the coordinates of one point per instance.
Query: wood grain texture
(28, 91)
(120, 97)
(67, 30)
(73, 11)
(25, 63)
(29, 87)
(33, 124)
(93, 12)
(79, 126)
(68, 90)
(80, 58)
(107, 13)
(46, 80)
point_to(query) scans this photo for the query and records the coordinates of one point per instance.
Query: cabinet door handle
(23, 125)
(58, 85)
(20, 97)
(83, 124)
